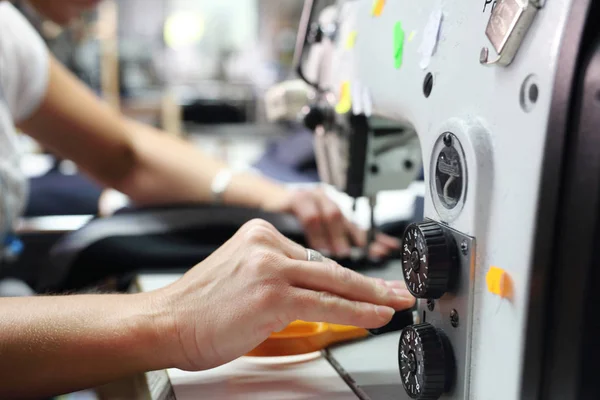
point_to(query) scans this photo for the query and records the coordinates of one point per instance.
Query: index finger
(331, 277)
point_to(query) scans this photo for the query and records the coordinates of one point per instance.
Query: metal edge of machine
(535, 378)
(453, 314)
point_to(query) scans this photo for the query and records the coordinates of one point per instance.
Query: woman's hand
(257, 283)
(327, 229)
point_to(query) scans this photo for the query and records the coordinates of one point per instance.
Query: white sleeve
(24, 63)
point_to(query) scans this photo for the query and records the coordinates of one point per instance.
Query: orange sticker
(499, 282)
(377, 7)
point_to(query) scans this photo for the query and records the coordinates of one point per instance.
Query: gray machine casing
(502, 133)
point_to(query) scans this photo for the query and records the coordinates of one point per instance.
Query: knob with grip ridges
(429, 260)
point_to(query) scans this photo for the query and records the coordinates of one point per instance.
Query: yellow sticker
(412, 36)
(351, 40)
(345, 103)
(377, 7)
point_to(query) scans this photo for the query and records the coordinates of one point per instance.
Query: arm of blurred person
(255, 284)
(154, 168)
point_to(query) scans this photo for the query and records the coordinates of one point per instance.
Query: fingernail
(401, 292)
(384, 312)
(396, 284)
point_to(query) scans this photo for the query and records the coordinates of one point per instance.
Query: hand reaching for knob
(257, 283)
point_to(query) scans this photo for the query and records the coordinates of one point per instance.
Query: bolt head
(430, 305)
(464, 247)
(454, 318)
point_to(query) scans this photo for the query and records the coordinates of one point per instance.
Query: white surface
(281, 378)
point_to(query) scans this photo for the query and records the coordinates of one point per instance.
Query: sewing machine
(357, 155)
(500, 99)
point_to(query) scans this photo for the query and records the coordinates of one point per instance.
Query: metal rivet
(408, 164)
(464, 247)
(454, 318)
(430, 305)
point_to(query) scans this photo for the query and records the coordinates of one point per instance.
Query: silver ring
(313, 255)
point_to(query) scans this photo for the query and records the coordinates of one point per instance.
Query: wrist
(156, 329)
(275, 198)
(256, 191)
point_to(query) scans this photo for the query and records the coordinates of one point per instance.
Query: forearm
(146, 164)
(170, 170)
(54, 345)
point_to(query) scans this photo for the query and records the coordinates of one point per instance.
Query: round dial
(426, 363)
(428, 260)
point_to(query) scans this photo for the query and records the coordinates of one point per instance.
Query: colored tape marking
(345, 103)
(377, 9)
(398, 45)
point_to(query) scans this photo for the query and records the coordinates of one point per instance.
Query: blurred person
(256, 283)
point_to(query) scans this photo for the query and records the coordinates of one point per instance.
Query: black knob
(426, 362)
(400, 320)
(429, 260)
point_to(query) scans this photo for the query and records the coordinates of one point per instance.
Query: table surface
(282, 378)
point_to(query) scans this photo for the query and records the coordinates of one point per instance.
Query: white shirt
(24, 64)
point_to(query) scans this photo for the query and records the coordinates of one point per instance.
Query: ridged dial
(428, 262)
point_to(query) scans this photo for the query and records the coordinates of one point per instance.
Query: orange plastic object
(301, 337)
(499, 283)
(377, 7)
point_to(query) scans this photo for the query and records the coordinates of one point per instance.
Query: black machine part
(425, 361)
(428, 260)
(562, 347)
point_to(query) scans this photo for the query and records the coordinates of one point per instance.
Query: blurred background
(197, 68)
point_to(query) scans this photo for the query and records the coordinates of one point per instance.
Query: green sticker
(398, 44)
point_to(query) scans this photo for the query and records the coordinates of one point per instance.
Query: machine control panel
(431, 267)
(437, 263)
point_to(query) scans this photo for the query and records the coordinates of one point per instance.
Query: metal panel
(504, 140)
(457, 301)
(371, 367)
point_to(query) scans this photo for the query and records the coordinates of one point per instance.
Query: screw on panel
(408, 164)
(454, 318)
(448, 140)
(464, 247)
(430, 305)
(428, 84)
(374, 169)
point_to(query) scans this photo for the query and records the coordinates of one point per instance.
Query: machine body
(476, 82)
